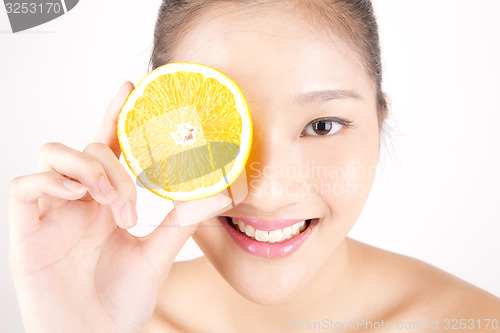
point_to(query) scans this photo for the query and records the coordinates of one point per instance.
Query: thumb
(163, 244)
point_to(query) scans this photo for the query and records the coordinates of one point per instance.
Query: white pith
(273, 236)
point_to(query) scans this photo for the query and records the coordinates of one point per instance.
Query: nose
(272, 173)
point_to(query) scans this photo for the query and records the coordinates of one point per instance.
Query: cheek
(343, 171)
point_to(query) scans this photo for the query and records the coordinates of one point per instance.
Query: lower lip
(268, 250)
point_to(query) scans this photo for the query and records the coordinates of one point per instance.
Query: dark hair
(352, 20)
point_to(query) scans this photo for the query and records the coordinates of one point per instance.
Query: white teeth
(273, 236)
(287, 233)
(241, 225)
(261, 235)
(250, 231)
(302, 225)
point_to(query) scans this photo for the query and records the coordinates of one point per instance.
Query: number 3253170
(32, 7)
(462, 324)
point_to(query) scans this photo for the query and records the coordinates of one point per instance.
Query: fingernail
(105, 187)
(220, 205)
(128, 215)
(192, 212)
(221, 202)
(74, 186)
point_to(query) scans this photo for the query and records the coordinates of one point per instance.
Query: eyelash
(340, 121)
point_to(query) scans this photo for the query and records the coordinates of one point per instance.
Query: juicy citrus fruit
(185, 131)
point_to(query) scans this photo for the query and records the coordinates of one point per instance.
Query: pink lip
(268, 250)
(267, 225)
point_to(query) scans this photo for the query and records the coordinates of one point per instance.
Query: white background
(437, 192)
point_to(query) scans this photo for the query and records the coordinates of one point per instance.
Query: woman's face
(292, 74)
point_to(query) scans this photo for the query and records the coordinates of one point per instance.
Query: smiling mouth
(272, 236)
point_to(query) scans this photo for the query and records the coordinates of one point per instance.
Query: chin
(264, 280)
(265, 283)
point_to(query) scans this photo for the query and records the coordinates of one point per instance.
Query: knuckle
(93, 166)
(49, 147)
(96, 148)
(47, 176)
(14, 185)
(17, 187)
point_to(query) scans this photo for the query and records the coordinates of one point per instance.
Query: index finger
(107, 131)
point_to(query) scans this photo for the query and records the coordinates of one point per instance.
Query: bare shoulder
(407, 290)
(180, 296)
(185, 301)
(423, 292)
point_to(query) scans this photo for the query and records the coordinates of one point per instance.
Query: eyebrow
(327, 95)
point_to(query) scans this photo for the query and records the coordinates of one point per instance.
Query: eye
(325, 126)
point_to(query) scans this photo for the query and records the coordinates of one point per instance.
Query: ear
(382, 108)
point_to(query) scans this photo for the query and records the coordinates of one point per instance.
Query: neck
(336, 290)
(331, 291)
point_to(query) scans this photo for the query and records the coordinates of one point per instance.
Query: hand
(75, 267)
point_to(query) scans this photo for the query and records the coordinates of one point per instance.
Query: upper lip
(267, 224)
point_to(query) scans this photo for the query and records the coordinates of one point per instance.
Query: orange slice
(185, 131)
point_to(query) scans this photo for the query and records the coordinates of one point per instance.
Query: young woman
(311, 73)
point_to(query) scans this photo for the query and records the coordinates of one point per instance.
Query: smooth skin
(278, 55)
(76, 269)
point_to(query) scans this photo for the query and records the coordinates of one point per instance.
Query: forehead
(271, 45)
